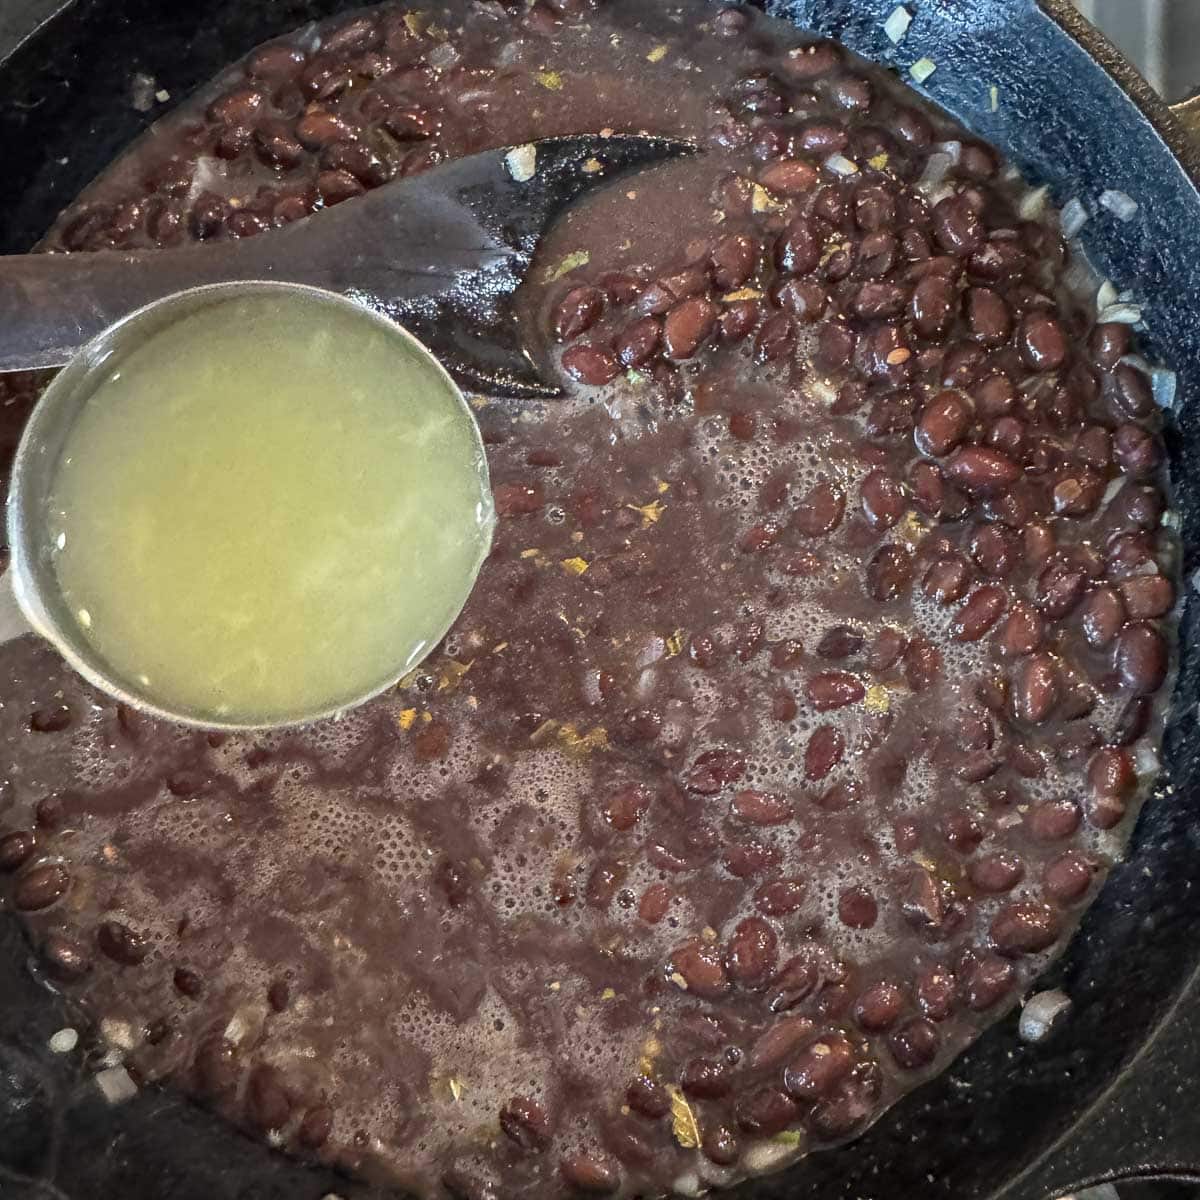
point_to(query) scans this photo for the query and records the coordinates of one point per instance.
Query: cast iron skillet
(1111, 1097)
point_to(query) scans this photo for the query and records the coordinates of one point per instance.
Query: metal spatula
(441, 253)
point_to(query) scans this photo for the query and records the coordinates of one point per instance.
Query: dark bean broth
(804, 699)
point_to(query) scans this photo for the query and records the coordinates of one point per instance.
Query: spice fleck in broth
(272, 507)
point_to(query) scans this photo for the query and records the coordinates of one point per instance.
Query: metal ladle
(441, 255)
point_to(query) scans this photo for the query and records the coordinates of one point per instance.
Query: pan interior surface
(64, 114)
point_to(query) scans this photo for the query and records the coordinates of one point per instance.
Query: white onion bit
(937, 167)
(116, 1085)
(522, 163)
(839, 164)
(1074, 218)
(896, 26)
(1122, 206)
(922, 69)
(1146, 761)
(64, 1041)
(1033, 204)
(1166, 386)
(953, 149)
(767, 1156)
(1120, 314)
(1107, 295)
(1043, 1014)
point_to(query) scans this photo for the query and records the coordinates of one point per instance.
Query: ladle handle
(12, 620)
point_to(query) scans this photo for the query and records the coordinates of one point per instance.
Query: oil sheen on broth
(270, 508)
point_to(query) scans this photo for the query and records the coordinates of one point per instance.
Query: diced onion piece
(1146, 761)
(1079, 278)
(767, 1156)
(689, 1184)
(1074, 218)
(1171, 519)
(1106, 295)
(116, 1085)
(952, 148)
(922, 69)
(937, 167)
(1042, 1014)
(522, 163)
(896, 26)
(1122, 206)
(1033, 204)
(1114, 486)
(64, 1041)
(839, 164)
(1165, 383)
(1120, 313)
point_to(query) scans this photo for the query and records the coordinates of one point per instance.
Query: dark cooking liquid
(803, 699)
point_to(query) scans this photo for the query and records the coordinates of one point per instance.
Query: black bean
(789, 177)
(720, 1146)
(16, 849)
(980, 469)
(65, 959)
(337, 186)
(915, 1044)
(943, 424)
(188, 982)
(798, 250)
(590, 365)
(765, 1111)
(957, 226)
(815, 1072)
(731, 22)
(637, 343)
(1025, 928)
(1042, 341)
(577, 312)
(1140, 659)
(53, 718)
(706, 1078)
(277, 64)
(700, 967)
(734, 261)
(1109, 344)
(1037, 688)
(1068, 877)
(815, 61)
(594, 1173)
(880, 301)
(776, 340)
(988, 316)
(986, 980)
(526, 1123)
(41, 887)
(688, 326)
(737, 320)
(121, 943)
(1137, 451)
